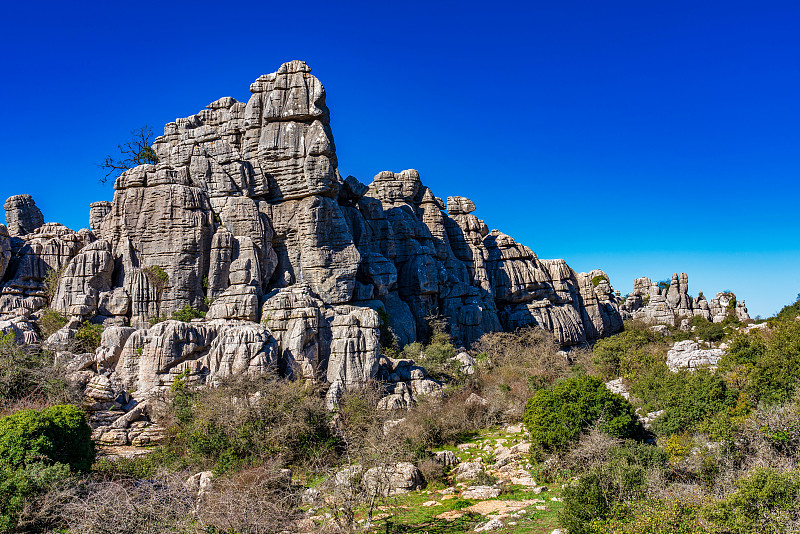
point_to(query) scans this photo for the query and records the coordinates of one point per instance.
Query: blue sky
(642, 138)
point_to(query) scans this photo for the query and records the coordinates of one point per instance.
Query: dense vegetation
(719, 452)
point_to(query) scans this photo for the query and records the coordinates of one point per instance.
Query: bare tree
(136, 151)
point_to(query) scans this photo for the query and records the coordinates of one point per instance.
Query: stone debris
(468, 470)
(618, 386)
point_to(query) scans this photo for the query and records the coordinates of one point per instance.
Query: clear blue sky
(643, 138)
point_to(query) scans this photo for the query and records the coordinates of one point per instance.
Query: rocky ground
(489, 487)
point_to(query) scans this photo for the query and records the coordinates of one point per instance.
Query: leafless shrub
(591, 449)
(512, 365)
(770, 437)
(163, 504)
(255, 501)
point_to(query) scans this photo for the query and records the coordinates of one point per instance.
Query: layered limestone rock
(5, 250)
(153, 358)
(22, 215)
(245, 216)
(688, 355)
(45, 251)
(659, 303)
(97, 212)
(85, 277)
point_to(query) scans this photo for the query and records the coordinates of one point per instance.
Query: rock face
(661, 304)
(97, 211)
(246, 217)
(22, 215)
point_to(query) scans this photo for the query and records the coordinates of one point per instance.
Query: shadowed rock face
(245, 215)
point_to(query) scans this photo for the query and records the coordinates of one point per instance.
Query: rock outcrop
(22, 215)
(656, 303)
(246, 217)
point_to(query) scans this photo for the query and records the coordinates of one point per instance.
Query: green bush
(596, 494)
(689, 398)
(38, 449)
(436, 355)
(559, 414)
(50, 322)
(789, 312)
(187, 313)
(775, 374)
(599, 278)
(766, 500)
(20, 486)
(57, 434)
(706, 330)
(624, 353)
(284, 419)
(651, 516)
(88, 337)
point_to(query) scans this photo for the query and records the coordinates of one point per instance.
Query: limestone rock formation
(85, 276)
(97, 211)
(5, 250)
(245, 216)
(22, 215)
(661, 304)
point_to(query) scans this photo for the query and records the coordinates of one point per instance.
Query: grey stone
(22, 215)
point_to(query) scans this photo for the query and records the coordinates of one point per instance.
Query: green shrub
(624, 353)
(435, 356)
(559, 414)
(689, 398)
(599, 278)
(651, 516)
(596, 494)
(766, 500)
(157, 276)
(56, 434)
(215, 428)
(187, 313)
(20, 486)
(775, 374)
(88, 337)
(50, 322)
(789, 312)
(706, 330)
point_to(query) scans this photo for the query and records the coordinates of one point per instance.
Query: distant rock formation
(245, 215)
(667, 305)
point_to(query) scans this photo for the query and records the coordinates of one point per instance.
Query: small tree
(136, 151)
(557, 415)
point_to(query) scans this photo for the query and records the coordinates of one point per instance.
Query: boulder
(688, 355)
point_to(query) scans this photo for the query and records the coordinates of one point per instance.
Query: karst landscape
(244, 341)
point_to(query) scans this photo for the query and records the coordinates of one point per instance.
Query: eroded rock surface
(659, 304)
(22, 215)
(245, 217)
